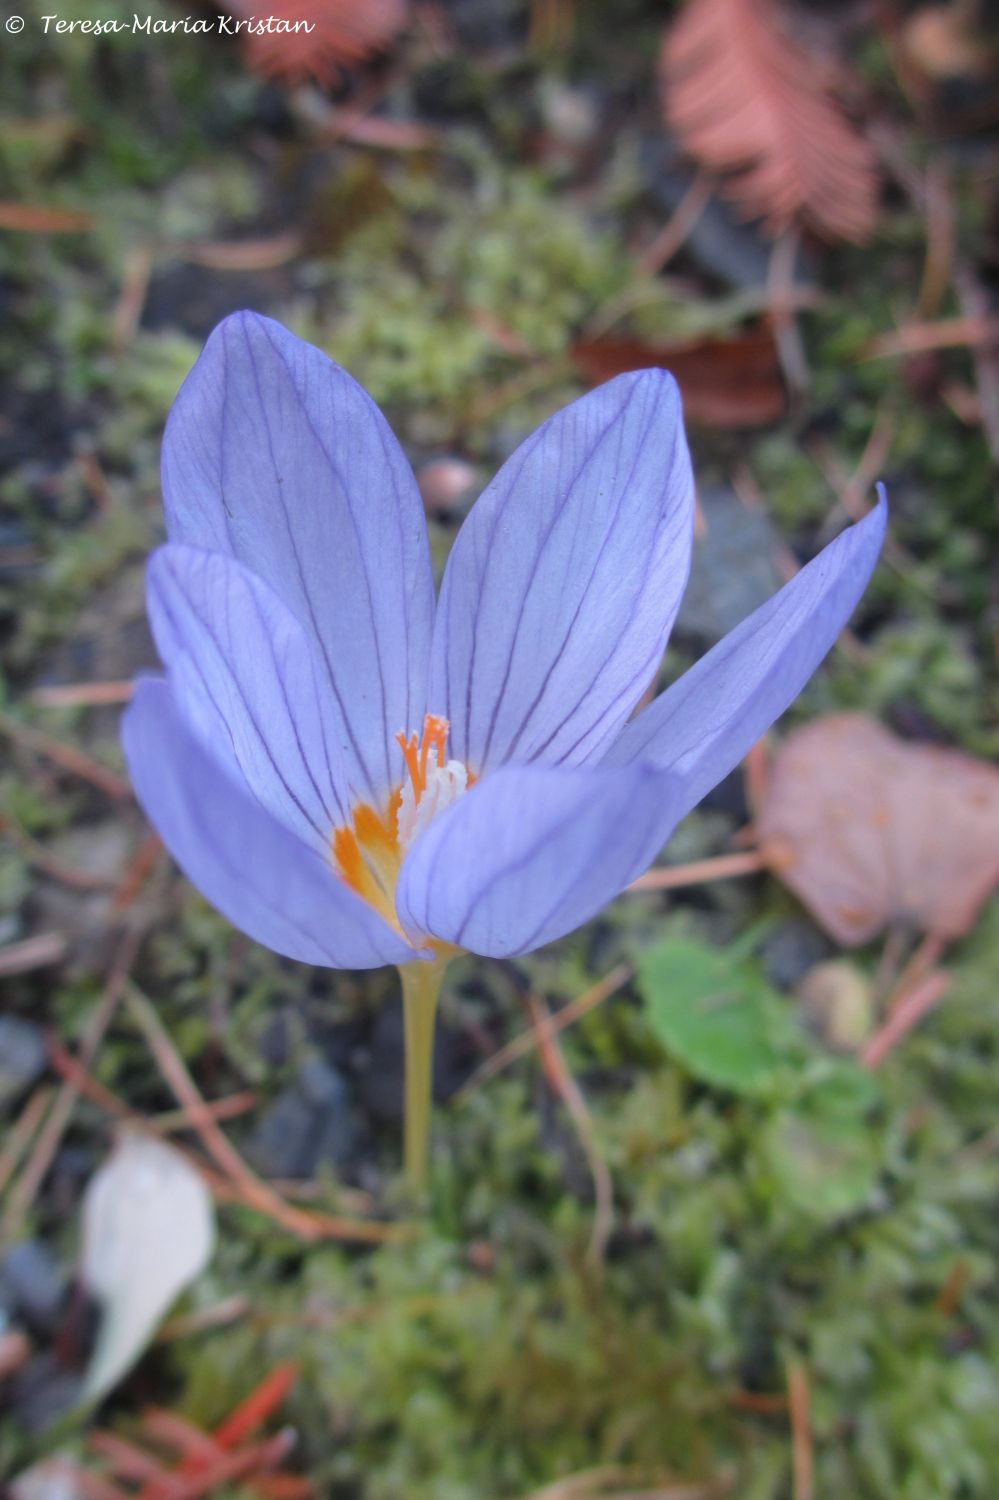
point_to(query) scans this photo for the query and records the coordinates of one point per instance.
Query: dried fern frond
(344, 32)
(744, 99)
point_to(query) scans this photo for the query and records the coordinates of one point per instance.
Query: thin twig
(138, 871)
(966, 331)
(219, 1315)
(23, 1192)
(802, 1460)
(67, 757)
(787, 334)
(975, 303)
(83, 694)
(678, 228)
(22, 1132)
(66, 1065)
(128, 1460)
(132, 298)
(560, 1076)
(853, 490)
(36, 952)
(925, 958)
(253, 1190)
(700, 871)
(528, 1040)
(40, 858)
(907, 1012)
(940, 240)
(788, 566)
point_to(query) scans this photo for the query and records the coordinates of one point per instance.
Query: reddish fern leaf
(343, 33)
(744, 99)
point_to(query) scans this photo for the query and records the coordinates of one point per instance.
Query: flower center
(369, 852)
(434, 783)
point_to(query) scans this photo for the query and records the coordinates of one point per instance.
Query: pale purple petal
(243, 674)
(532, 852)
(275, 456)
(271, 885)
(704, 724)
(565, 579)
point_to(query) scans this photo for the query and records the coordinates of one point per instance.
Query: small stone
(838, 1004)
(444, 482)
(23, 1056)
(310, 1121)
(32, 1286)
(733, 570)
(791, 950)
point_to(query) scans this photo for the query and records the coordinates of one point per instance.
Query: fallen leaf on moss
(725, 382)
(868, 830)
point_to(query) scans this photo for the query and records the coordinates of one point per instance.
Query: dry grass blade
(746, 100)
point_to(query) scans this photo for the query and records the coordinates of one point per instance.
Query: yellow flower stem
(421, 988)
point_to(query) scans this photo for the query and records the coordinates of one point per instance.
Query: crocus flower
(355, 776)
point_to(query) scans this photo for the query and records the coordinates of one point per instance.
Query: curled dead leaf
(746, 100)
(867, 830)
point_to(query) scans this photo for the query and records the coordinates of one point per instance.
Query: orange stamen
(434, 735)
(410, 754)
(416, 752)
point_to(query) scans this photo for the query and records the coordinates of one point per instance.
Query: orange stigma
(416, 753)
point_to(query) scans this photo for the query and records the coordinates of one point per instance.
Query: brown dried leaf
(744, 99)
(343, 33)
(868, 830)
(725, 382)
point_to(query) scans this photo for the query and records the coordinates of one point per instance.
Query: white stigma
(445, 784)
